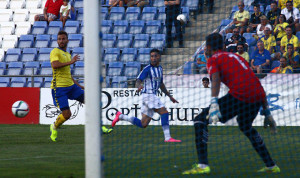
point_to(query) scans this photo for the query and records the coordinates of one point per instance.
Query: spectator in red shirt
(51, 11)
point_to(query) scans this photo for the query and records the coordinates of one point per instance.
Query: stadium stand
(115, 69)
(111, 54)
(13, 55)
(120, 27)
(31, 68)
(18, 82)
(117, 13)
(14, 68)
(119, 82)
(26, 41)
(37, 82)
(132, 13)
(42, 41)
(29, 54)
(124, 41)
(44, 54)
(4, 81)
(128, 54)
(136, 27)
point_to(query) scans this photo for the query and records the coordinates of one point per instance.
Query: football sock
(132, 120)
(59, 121)
(201, 138)
(202, 165)
(165, 125)
(259, 146)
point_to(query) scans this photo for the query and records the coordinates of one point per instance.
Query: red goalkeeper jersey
(237, 75)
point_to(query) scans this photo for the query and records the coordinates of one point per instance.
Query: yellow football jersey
(61, 76)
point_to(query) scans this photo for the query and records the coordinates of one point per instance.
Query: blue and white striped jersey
(152, 77)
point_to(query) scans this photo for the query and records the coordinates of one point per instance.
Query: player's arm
(57, 64)
(215, 84)
(75, 81)
(139, 85)
(165, 91)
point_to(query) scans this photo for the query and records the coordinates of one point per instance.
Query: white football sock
(202, 165)
(166, 130)
(126, 118)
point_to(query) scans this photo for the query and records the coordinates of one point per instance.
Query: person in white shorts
(152, 76)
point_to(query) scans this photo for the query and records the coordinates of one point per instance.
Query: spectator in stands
(282, 4)
(240, 19)
(209, 3)
(173, 9)
(199, 66)
(279, 30)
(205, 82)
(261, 27)
(231, 43)
(51, 11)
(274, 13)
(65, 12)
(138, 3)
(296, 3)
(114, 3)
(284, 68)
(269, 40)
(260, 58)
(263, 3)
(292, 56)
(241, 51)
(289, 38)
(292, 15)
(254, 19)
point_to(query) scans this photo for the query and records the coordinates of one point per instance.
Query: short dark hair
(289, 27)
(289, 2)
(288, 45)
(274, 2)
(257, 6)
(215, 41)
(240, 43)
(154, 50)
(205, 79)
(62, 33)
(67, 0)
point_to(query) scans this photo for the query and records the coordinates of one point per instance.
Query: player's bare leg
(164, 114)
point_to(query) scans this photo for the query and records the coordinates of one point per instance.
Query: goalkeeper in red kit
(244, 99)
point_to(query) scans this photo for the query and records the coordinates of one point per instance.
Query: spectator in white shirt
(65, 12)
(292, 15)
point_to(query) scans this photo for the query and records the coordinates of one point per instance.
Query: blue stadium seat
(47, 82)
(46, 68)
(298, 35)
(251, 50)
(39, 27)
(71, 26)
(275, 64)
(251, 9)
(128, 54)
(104, 13)
(79, 68)
(228, 35)
(224, 23)
(161, 14)
(31, 68)
(18, 82)
(75, 40)
(42, 41)
(119, 82)
(44, 54)
(29, 54)
(115, 69)
(248, 35)
(133, 13)
(158, 3)
(117, 13)
(132, 69)
(149, 13)
(78, 4)
(157, 41)
(106, 26)
(124, 41)
(80, 14)
(54, 27)
(2, 68)
(81, 29)
(153, 26)
(235, 8)
(4, 81)
(120, 27)
(13, 55)
(53, 42)
(144, 55)
(108, 81)
(187, 68)
(136, 27)
(192, 4)
(37, 82)
(141, 41)
(26, 41)
(111, 55)
(79, 51)
(14, 68)
(109, 40)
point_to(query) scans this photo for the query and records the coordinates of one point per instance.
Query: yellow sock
(59, 121)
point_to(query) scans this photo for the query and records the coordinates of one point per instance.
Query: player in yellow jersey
(63, 85)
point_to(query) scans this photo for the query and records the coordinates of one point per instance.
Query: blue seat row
(41, 27)
(36, 54)
(129, 69)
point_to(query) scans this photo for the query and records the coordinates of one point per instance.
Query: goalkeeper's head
(214, 42)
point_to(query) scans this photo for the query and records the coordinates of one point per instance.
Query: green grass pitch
(26, 151)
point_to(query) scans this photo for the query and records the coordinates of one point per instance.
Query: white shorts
(150, 102)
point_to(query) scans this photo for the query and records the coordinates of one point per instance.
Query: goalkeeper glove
(214, 111)
(269, 121)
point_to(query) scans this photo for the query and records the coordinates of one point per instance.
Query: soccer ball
(182, 18)
(20, 108)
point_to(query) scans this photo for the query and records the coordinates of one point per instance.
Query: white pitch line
(36, 157)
